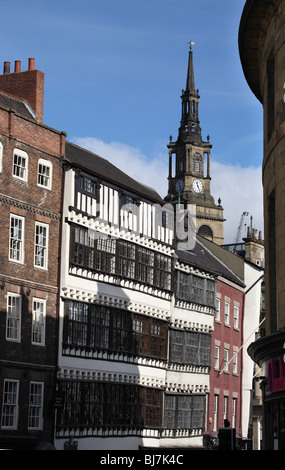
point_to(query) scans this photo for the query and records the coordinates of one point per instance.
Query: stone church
(189, 177)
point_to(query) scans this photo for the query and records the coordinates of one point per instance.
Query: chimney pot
(31, 64)
(17, 66)
(7, 67)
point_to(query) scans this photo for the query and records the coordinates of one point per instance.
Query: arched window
(181, 163)
(206, 231)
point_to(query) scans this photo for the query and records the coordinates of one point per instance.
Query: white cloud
(240, 189)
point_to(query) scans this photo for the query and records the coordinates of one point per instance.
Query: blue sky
(114, 71)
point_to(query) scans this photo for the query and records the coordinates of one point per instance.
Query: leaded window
(196, 289)
(121, 331)
(84, 243)
(99, 327)
(98, 404)
(210, 292)
(153, 406)
(86, 184)
(191, 348)
(112, 329)
(163, 271)
(77, 323)
(145, 265)
(188, 347)
(184, 411)
(106, 255)
(183, 287)
(114, 256)
(127, 254)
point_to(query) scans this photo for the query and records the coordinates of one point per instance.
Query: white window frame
(217, 358)
(38, 247)
(226, 359)
(236, 316)
(46, 164)
(10, 404)
(38, 321)
(234, 411)
(36, 402)
(225, 407)
(218, 309)
(235, 361)
(14, 316)
(215, 412)
(227, 313)
(1, 157)
(23, 169)
(17, 240)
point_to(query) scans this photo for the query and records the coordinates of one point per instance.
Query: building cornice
(267, 348)
(36, 209)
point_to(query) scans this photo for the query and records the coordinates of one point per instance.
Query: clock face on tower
(197, 186)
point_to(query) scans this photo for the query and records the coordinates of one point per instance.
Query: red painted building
(226, 372)
(237, 317)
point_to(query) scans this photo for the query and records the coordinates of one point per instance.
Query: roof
(17, 105)
(102, 168)
(232, 261)
(202, 257)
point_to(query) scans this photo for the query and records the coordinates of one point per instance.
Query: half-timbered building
(116, 289)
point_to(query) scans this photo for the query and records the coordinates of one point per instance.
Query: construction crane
(244, 214)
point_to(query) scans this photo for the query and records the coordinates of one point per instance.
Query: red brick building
(31, 157)
(236, 323)
(226, 372)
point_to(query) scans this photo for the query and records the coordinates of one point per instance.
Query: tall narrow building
(189, 165)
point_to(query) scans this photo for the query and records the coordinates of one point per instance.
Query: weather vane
(191, 44)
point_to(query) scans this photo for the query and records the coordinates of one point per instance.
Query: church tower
(189, 165)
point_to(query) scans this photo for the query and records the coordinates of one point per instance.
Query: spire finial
(191, 43)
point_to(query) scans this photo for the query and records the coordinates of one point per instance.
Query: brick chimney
(27, 85)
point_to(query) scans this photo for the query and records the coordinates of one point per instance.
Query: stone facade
(262, 51)
(189, 166)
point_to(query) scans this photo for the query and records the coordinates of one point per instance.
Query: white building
(130, 370)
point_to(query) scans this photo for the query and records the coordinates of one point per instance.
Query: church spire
(190, 83)
(189, 124)
(189, 165)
